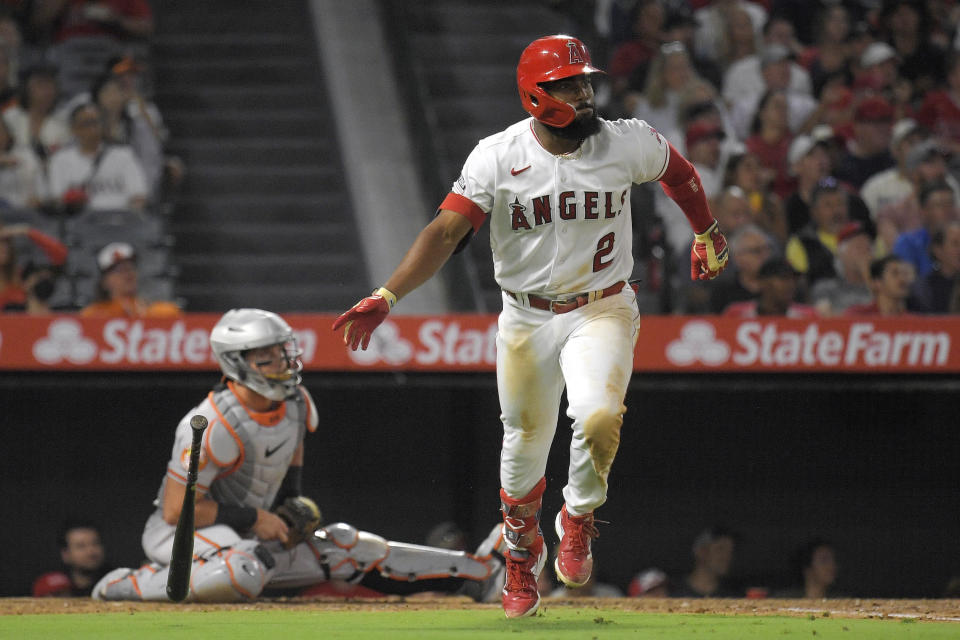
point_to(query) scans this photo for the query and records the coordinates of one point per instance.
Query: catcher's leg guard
(526, 553)
(237, 573)
(149, 582)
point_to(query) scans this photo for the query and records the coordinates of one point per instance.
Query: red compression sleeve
(681, 182)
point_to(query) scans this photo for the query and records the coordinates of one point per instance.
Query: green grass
(556, 623)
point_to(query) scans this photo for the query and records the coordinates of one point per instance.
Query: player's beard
(580, 128)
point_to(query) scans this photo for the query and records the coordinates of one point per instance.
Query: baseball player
(555, 189)
(254, 527)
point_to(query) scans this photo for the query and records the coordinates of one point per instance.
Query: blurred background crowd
(826, 133)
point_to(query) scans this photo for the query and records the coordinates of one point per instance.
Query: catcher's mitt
(302, 516)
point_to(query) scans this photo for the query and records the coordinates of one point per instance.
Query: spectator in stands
(809, 162)
(12, 291)
(703, 148)
(745, 80)
(939, 290)
(680, 26)
(925, 164)
(649, 583)
(868, 152)
(778, 284)
(832, 296)
(891, 279)
(83, 559)
(117, 19)
(669, 76)
(937, 207)
(750, 248)
(831, 54)
(91, 174)
(22, 181)
(815, 567)
(713, 553)
(39, 284)
(732, 206)
(879, 75)
(118, 291)
(33, 121)
(744, 171)
(728, 30)
(776, 64)
(811, 250)
(630, 58)
(940, 110)
(892, 185)
(770, 139)
(906, 25)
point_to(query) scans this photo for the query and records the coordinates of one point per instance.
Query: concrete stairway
(263, 218)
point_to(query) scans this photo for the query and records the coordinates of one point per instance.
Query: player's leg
(597, 361)
(340, 552)
(530, 384)
(225, 568)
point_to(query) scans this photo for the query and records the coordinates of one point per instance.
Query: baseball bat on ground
(181, 560)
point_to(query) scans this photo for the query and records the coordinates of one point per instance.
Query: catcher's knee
(237, 573)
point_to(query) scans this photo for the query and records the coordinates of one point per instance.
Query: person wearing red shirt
(891, 278)
(12, 291)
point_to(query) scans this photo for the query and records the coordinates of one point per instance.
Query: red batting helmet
(544, 60)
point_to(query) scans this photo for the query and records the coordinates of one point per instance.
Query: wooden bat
(181, 561)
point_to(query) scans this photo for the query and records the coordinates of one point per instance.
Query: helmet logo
(576, 55)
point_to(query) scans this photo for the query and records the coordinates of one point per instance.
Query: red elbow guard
(682, 183)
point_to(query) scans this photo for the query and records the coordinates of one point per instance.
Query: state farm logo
(440, 342)
(65, 341)
(698, 341)
(860, 344)
(385, 344)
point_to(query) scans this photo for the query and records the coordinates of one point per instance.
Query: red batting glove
(365, 316)
(708, 256)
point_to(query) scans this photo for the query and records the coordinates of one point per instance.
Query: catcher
(255, 529)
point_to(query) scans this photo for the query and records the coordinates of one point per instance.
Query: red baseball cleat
(574, 560)
(520, 595)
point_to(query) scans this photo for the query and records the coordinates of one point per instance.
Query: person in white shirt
(21, 174)
(93, 174)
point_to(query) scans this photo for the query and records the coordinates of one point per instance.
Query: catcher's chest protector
(265, 451)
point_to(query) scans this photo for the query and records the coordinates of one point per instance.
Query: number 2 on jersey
(604, 247)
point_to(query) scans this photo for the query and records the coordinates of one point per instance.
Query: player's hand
(270, 526)
(365, 316)
(708, 256)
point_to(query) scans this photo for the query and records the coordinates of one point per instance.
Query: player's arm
(429, 252)
(680, 181)
(205, 511)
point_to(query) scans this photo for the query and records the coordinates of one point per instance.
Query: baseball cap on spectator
(877, 53)
(646, 581)
(800, 147)
(113, 254)
(903, 128)
(873, 109)
(774, 52)
(700, 130)
(776, 267)
(851, 230)
(921, 152)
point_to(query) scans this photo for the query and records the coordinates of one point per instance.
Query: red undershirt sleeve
(682, 183)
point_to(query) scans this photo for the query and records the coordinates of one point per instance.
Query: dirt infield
(937, 610)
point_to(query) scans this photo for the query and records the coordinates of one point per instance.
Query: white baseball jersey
(559, 224)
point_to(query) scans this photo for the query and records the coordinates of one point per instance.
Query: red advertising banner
(467, 343)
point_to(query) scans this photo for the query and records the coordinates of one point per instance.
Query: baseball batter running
(555, 189)
(255, 529)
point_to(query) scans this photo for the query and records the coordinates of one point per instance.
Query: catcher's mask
(544, 60)
(239, 331)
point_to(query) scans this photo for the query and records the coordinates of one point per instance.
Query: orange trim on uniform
(233, 581)
(308, 403)
(263, 418)
(203, 538)
(240, 457)
(349, 546)
(465, 207)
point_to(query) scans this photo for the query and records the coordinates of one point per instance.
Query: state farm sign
(468, 342)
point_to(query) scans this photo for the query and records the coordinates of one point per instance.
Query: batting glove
(365, 316)
(708, 256)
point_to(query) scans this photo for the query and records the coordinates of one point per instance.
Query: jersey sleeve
(312, 420)
(218, 450)
(472, 194)
(651, 153)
